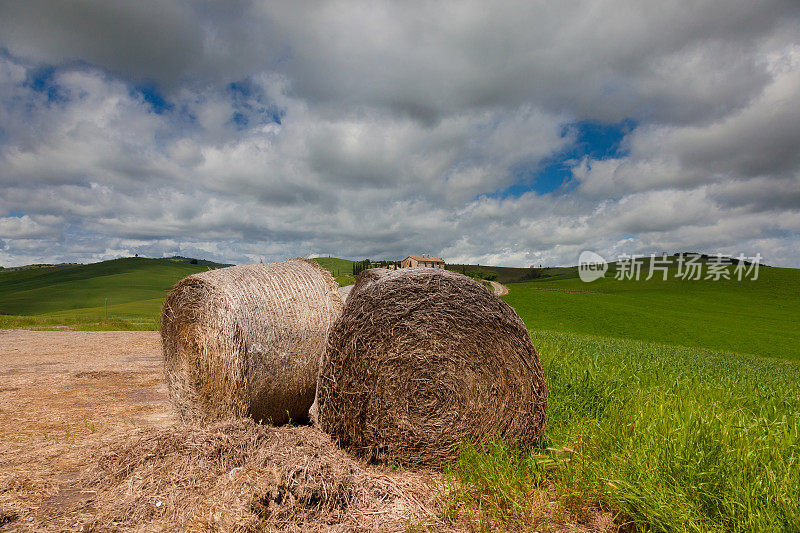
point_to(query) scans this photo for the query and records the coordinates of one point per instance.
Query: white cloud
(377, 130)
(25, 227)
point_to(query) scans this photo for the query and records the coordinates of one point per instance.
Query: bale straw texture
(369, 276)
(247, 340)
(422, 359)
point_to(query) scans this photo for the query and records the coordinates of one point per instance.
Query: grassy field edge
(671, 438)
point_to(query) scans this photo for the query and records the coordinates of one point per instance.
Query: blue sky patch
(601, 141)
(153, 96)
(251, 105)
(243, 90)
(592, 139)
(241, 120)
(42, 80)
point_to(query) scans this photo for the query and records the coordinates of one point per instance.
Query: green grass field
(75, 295)
(337, 267)
(342, 269)
(670, 438)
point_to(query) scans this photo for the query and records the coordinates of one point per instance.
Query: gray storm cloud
(250, 130)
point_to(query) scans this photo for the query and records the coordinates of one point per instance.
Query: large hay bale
(422, 359)
(247, 340)
(368, 276)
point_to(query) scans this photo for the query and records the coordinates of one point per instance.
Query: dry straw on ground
(422, 359)
(241, 476)
(247, 340)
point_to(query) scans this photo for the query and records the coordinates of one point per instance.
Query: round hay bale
(247, 340)
(369, 276)
(422, 359)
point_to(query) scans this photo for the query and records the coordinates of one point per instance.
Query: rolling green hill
(75, 295)
(200, 262)
(337, 267)
(342, 269)
(753, 317)
(135, 289)
(517, 275)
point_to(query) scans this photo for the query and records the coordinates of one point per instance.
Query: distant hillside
(76, 295)
(517, 274)
(37, 265)
(337, 267)
(735, 316)
(342, 267)
(201, 262)
(133, 287)
(175, 258)
(520, 274)
(755, 317)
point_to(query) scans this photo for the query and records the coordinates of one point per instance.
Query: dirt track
(70, 401)
(498, 288)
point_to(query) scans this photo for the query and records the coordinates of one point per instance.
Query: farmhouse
(422, 261)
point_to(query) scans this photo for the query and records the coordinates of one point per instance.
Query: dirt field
(88, 442)
(63, 394)
(78, 384)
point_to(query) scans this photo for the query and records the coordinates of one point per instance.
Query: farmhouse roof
(428, 258)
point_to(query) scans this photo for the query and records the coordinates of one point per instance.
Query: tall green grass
(47, 322)
(672, 438)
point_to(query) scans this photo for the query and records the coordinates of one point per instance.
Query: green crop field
(670, 438)
(76, 295)
(342, 269)
(337, 267)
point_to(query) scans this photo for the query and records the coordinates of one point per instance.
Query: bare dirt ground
(89, 442)
(63, 395)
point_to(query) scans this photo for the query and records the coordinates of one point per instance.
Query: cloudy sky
(510, 133)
